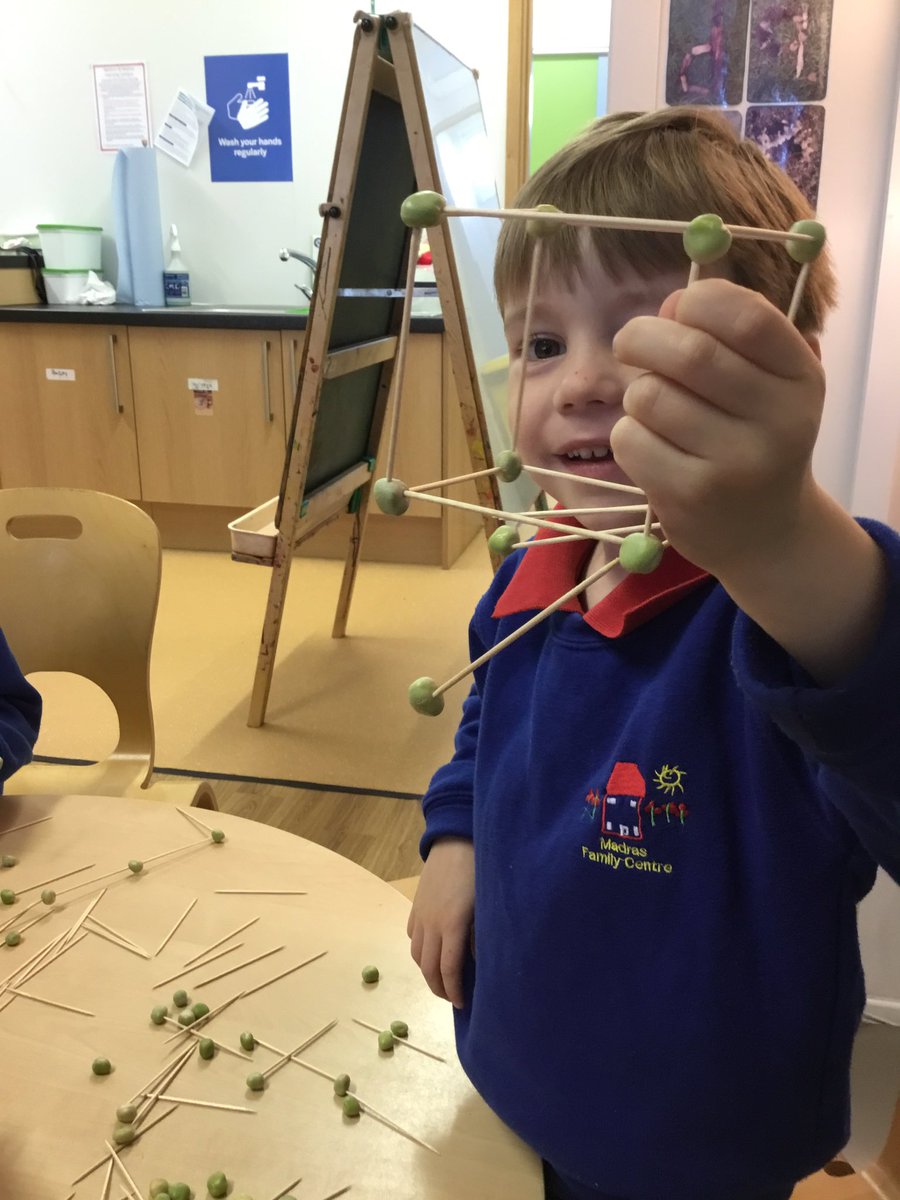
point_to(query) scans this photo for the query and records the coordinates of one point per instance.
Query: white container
(254, 534)
(71, 247)
(64, 287)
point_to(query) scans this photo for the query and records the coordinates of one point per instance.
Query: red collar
(546, 574)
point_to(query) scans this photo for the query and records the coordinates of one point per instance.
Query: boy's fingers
(430, 966)
(451, 968)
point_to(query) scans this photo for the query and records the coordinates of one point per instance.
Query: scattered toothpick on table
(205, 963)
(215, 945)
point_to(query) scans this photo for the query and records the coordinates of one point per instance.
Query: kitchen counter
(194, 316)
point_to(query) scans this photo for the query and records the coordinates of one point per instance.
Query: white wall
(580, 26)
(861, 108)
(230, 232)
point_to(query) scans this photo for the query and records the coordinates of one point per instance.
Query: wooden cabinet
(66, 409)
(209, 407)
(191, 422)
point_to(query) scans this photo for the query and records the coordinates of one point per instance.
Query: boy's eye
(542, 346)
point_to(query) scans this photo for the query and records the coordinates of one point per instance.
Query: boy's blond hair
(672, 164)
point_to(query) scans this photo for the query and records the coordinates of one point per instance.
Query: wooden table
(56, 1113)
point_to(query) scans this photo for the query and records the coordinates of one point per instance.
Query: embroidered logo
(621, 805)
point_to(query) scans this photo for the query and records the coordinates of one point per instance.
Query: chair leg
(205, 797)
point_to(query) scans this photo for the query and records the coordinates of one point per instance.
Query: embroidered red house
(625, 790)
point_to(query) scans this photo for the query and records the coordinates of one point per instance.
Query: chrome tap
(285, 254)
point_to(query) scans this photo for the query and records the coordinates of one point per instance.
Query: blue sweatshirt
(20, 715)
(672, 829)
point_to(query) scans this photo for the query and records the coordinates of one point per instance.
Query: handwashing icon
(250, 109)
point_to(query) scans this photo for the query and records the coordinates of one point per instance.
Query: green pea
(207, 1048)
(186, 1018)
(8, 896)
(158, 1186)
(385, 1040)
(135, 866)
(126, 1113)
(158, 1014)
(13, 937)
(243, 1196)
(200, 1009)
(399, 1029)
(248, 1041)
(124, 1135)
(255, 1082)
(163, 1196)
(217, 1184)
(179, 1191)
(101, 1066)
(217, 835)
(370, 974)
(342, 1085)
(350, 1105)
(180, 998)
(48, 895)
(8, 860)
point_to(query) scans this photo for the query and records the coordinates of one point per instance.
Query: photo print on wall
(706, 52)
(791, 136)
(789, 47)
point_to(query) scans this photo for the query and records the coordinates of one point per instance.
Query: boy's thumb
(670, 304)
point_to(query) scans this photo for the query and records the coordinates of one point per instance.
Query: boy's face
(573, 383)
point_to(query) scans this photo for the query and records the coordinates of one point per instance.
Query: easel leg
(265, 662)
(348, 580)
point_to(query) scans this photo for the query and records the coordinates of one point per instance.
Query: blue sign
(250, 135)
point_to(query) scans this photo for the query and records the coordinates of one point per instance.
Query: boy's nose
(593, 379)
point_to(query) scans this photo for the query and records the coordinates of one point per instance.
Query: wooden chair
(79, 587)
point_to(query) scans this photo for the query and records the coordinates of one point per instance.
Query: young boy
(644, 860)
(20, 715)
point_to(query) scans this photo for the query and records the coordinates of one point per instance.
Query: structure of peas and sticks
(706, 239)
(291, 1065)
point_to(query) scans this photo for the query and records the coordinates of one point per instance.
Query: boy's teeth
(598, 452)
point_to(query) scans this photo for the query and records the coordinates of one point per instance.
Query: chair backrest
(79, 587)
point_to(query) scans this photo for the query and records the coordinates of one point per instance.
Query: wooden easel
(384, 152)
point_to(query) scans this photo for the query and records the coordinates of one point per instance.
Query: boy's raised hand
(719, 429)
(440, 922)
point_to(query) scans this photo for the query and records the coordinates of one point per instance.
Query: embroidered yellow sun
(668, 779)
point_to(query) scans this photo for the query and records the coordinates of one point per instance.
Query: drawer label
(60, 373)
(203, 385)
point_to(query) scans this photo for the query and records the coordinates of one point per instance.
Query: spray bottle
(176, 280)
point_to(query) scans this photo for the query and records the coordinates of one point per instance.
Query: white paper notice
(180, 131)
(123, 117)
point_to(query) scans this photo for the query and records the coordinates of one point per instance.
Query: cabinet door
(66, 409)
(209, 405)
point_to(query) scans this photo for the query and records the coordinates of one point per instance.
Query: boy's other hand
(720, 427)
(440, 922)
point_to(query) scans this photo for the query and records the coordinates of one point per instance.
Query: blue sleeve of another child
(20, 715)
(851, 732)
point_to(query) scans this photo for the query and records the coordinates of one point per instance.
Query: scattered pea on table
(158, 1014)
(158, 1186)
(342, 1085)
(207, 1048)
(8, 896)
(13, 937)
(385, 1040)
(256, 1082)
(124, 1135)
(399, 1029)
(200, 1009)
(48, 896)
(101, 1066)
(370, 974)
(350, 1105)
(126, 1113)
(248, 1041)
(180, 998)
(8, 860)
(179, 1191)
(217, 1184)
(217, 835)
(186, 1017)
(135, 866)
